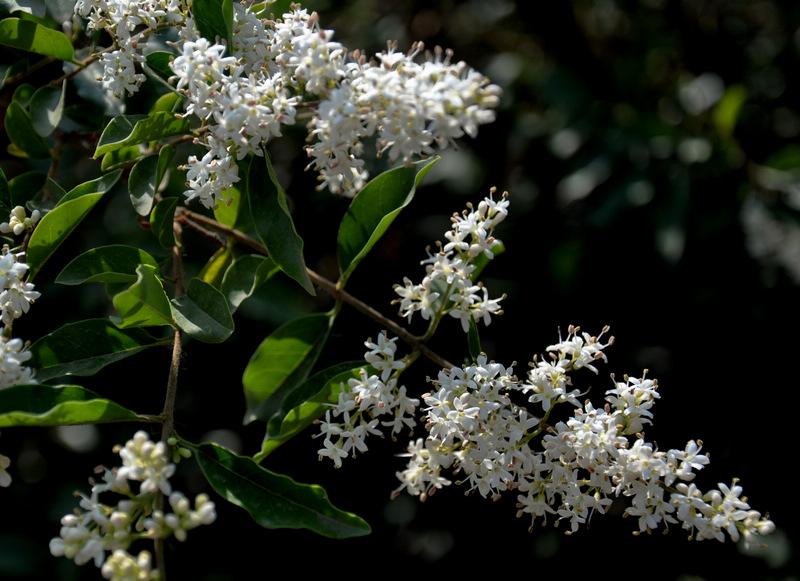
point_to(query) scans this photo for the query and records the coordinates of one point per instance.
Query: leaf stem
(193, 220)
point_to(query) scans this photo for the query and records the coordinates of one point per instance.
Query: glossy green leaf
(244, 276)
(374, 209)
(305, 390)
(85, 347)
(47, 108)
(227, 210)
(202, 313)
(159, 62)
(20, 131)
(473, 341)
(144, 303)
(120, 158)
(23, 94)
(63, 405)
(33, 37)
(168, 103)
(99, 185)
(283, 360)
(5, 194)
(54, 228)
(273, 222)
(115, 264)
(161, 221)
(214, 270)
(301, 416)
(146, 177)
(126, 130)
(481, 261)
(275, 500)
(25, 187)
(214, 19)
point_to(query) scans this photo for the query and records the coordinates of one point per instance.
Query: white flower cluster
(448, 287)
(475, 429)
(244, 98)
(91, 533)
(16, 295)
(19, 221)
(128, 22)
(366, 401)
(13, 356)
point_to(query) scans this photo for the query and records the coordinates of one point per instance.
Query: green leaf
(273, 222)
(473, 341)
(203, 313)
(374, 209)
(62, 405)
(301, 416)
(99, 185)
(115, 264)
(214, 19)
(85, 347)
(54, 228)
(161, 221)
(146, 177)
(21, 133)
(168, 102)
(33, 37)
(47, 107)
(726, 113)
(244, 276)
(275, 500)
(24, 187)
(214, 270)
(227, 211)
(23, 94)
(309, 388)
(283, 360)
(5, 194)
(159, 62)
(144, 303)
(120, 158)
(481, 261)
(126, 130)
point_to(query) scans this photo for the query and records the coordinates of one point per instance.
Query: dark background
(615, 218)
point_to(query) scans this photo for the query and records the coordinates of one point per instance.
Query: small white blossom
(16, 295)
(19, 221)
(13, 355)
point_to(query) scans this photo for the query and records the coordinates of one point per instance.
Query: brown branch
(193, 219)
(31, 69)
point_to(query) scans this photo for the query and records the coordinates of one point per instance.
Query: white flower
(13, 355)
(19, 221)
(121, 566)
(16, 295)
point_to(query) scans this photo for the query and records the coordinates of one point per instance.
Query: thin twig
(168, 415)
(193, 219)
(31, 69)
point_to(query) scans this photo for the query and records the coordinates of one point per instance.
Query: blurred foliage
(651, 150)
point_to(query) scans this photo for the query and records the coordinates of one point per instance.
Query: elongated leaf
(303, 415)
(214, 270)
(481, 261)
(203, 313)
(33, 37)
(115, 263)
(214, 19)
(20, 131)
(275, 500)
(63, 405)
(85, 347)
(144, 304)
(273, 222)
(142, 186)
(159, 63)
(120, 157)
(308, 389)
(161, 221)
(47, 107)
(126, 130)
(54, 228)
(24, 187)
(374, 209)
(282, 361)
(473, 340)
(99, 185)
(5, 194)
(227, 211)
(244, 276)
